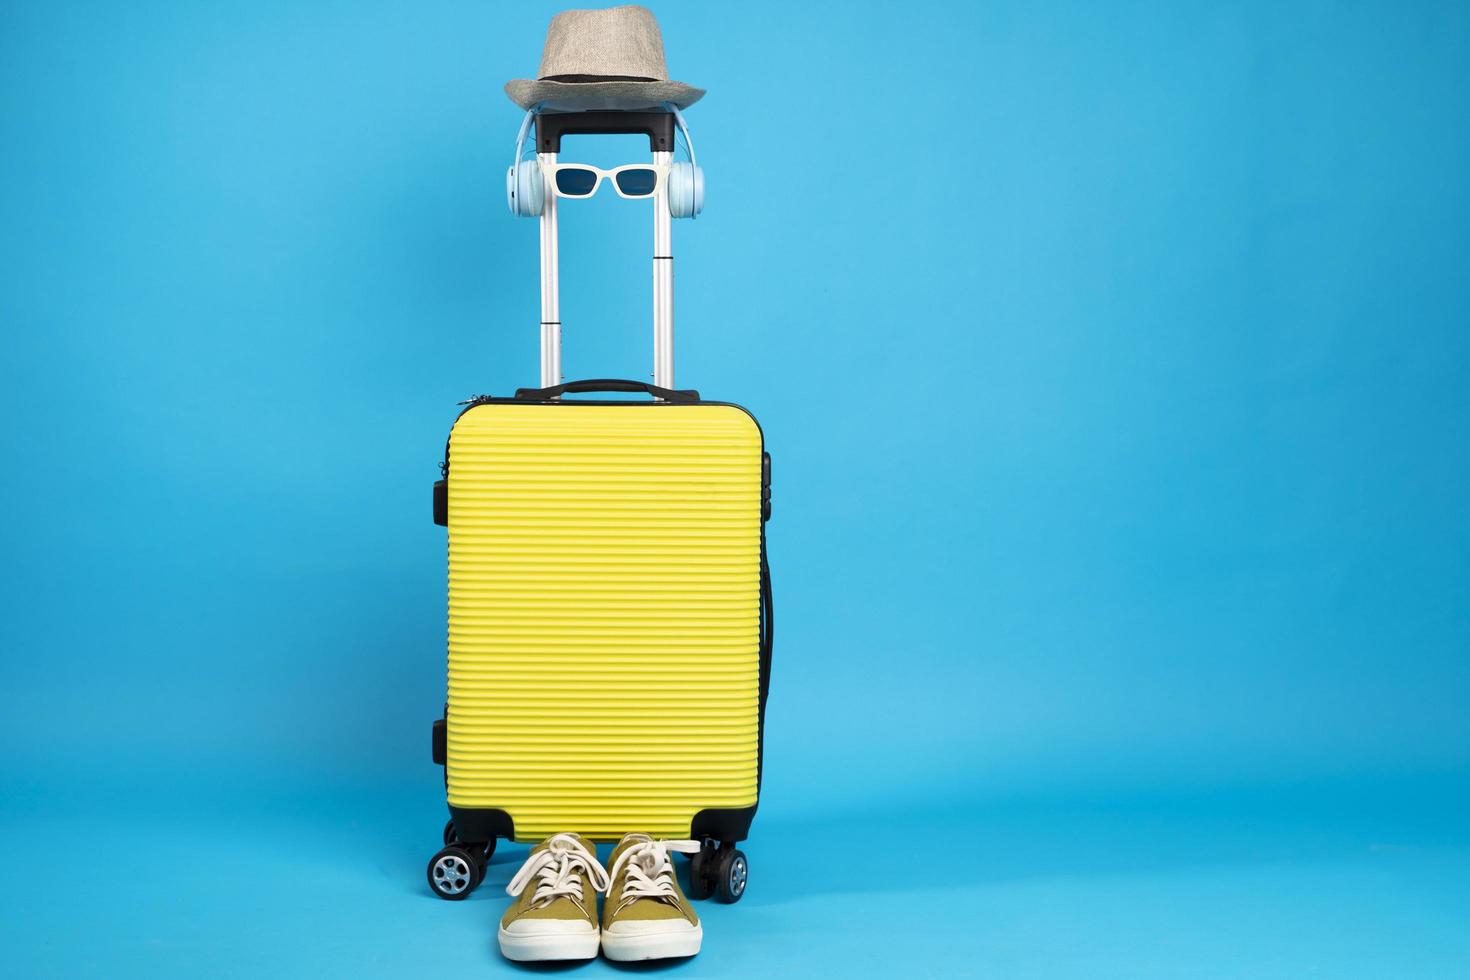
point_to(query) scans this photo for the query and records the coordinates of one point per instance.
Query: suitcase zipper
(468, 404)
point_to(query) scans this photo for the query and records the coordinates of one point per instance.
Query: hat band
(596, 78)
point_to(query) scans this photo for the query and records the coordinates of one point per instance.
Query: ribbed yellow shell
(604, 572)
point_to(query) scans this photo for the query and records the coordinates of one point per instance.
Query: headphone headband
(683, 128)
(525, 128)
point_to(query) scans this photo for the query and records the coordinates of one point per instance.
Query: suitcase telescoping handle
(606, 384)
(659, 128)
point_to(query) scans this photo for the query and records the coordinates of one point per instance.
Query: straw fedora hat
(602, 59)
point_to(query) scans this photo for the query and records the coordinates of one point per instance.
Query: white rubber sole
(525, 949)
(652, 946)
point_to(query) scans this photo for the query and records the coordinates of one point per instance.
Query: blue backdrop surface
(1114, 359)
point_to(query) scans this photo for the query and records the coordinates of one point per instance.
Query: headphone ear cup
(523, 189)
(686, 190)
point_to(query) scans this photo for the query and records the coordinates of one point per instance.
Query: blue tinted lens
(577, 183)
(637, 183)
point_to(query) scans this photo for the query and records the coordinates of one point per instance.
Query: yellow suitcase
(609, 623)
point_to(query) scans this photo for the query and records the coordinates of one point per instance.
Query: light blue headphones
(686, 180)
(525, 190)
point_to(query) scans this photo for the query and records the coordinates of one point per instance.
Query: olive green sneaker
(554, 916)
(646, 916)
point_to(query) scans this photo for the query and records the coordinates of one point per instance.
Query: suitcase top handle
(606, 384)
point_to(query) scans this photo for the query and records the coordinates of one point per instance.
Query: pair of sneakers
(554, 915)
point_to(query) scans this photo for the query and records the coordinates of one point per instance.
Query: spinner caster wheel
(451, 836)
(701, 872)
(454, 872)
(482, 853)
(731, 872)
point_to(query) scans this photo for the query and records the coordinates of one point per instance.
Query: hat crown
(618, 41)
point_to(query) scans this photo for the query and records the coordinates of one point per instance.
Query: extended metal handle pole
(663, 281)
(550, 293)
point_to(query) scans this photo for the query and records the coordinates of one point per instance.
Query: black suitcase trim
(482, 825)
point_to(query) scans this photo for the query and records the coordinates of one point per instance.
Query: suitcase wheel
(454, 872)
(701, 863)
(719, 871)
(731, 871)
(459, 868)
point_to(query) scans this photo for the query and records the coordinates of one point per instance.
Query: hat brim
(581, 96)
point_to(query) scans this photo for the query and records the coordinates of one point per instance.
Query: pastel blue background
(1114, 359)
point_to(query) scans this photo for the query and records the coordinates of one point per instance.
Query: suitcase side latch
(441, 503)
(765, 486)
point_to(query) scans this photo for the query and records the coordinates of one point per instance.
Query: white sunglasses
(631, 181)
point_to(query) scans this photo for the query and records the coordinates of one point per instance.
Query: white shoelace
(650, 871)
(555, 868)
